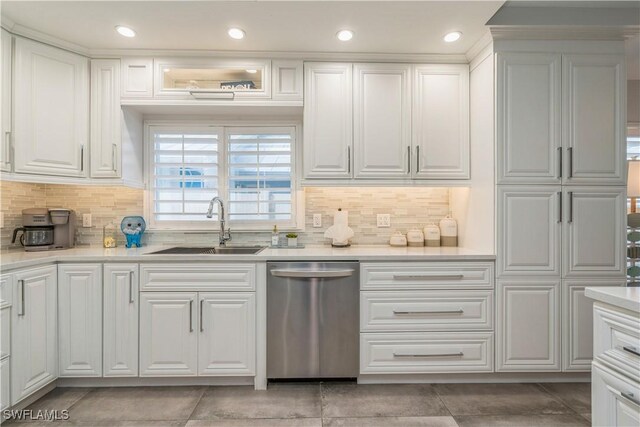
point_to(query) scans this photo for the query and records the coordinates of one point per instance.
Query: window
(251, 168)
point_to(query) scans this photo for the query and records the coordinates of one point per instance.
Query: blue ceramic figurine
(133, 228)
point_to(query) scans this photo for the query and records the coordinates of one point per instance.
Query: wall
(409, 208)
(633, 101)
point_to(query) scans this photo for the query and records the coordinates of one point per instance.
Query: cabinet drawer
(5, 384)
(426, 275)
(5, 330)
(426, 310)
(617, 340)
(421, 353)
(617, 397)
(6, 290)
(197, 277)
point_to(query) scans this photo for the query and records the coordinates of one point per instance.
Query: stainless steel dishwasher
(312, 319)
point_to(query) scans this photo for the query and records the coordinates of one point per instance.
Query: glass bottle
(109, 235)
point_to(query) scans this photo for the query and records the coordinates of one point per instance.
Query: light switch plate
(384, 220)
(317, 220)
(86, 220)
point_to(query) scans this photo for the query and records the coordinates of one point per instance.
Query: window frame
(294, 127)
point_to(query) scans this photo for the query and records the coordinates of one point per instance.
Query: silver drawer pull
(21, 288)
(311, 273)
(408, 313)
(629, 397)
(459, 354)
(631, 350)
(428, 277)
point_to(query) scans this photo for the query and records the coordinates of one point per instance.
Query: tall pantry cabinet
(561, 198)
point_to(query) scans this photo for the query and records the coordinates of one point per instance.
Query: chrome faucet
(225, 235)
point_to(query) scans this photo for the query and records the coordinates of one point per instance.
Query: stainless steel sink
(190, 250)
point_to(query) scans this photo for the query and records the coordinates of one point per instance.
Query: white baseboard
(498, 377)
(142, 382)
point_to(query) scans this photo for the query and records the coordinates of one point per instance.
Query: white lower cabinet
(226, 345)
(168, 337)
(120, 332)
(80, 320)
(34, 338)
(528, 324)
(577, 323)
(5, 383)
(615, 399)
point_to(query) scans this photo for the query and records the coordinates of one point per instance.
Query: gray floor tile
(279, 401)
(110, 423)
(391, 422)
(566, 420)
(577, 396)
(586, 416)
(380, 400)
(498, 399)
(137, 404)
(258, 422)
(59, 399)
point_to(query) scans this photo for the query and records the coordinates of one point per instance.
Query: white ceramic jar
(415, 237)
(448, 231)
(432, 235)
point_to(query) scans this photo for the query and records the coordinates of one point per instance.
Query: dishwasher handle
(311, 274)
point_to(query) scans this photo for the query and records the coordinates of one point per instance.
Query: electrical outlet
(86, 220)
(384, 220)
(317, 220)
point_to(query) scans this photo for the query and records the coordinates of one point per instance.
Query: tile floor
(325, 404)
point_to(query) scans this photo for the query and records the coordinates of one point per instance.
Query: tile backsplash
(409, 207)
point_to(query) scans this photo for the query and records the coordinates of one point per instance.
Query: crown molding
(29, 33)
(563, 32)
(479, 47)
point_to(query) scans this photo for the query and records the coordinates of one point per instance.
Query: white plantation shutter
(251, 168)
(259, 177)
(185, 173)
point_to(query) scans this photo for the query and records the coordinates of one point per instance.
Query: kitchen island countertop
(16, 258)
(623, 297)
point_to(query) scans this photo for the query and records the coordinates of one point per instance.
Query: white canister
(432, 235)
(448, 231)
(398, 239)
(415, 237)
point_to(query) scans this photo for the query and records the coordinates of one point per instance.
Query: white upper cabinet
(328, 125)
(528, 131)
(226, 345)
(593, 122)
(594, 238)
(80, 319)
(287, 76)
(440, 126)
(137, 78)
(105, 118)
(529, 233)
(51, 110)
(120, 342)
(382, 120)
(5, 88)
(211, 79)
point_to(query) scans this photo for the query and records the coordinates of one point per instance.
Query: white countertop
(627, 298)
(12, 259)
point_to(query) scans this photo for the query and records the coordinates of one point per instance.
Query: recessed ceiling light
(453, 36)
(251, 71)
(236, 33)
(344, 35)
(125, 31)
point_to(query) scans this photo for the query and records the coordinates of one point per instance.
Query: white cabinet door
(614, 399)
(137, 78)
(528, 114)
(80, 320)
(287, 78)
(120, 342)
(227, 334)
(529, 230)
(328, 127)
(105, 118)
(593, 121)
(51, 110)
(34, 338)
(528, 325)
(382, 120)
(577, 323)
(441, 122)
(5, 383)
(5, 93)
(594, 233)
(168, 337)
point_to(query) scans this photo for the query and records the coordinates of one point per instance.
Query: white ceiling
(296, 26)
